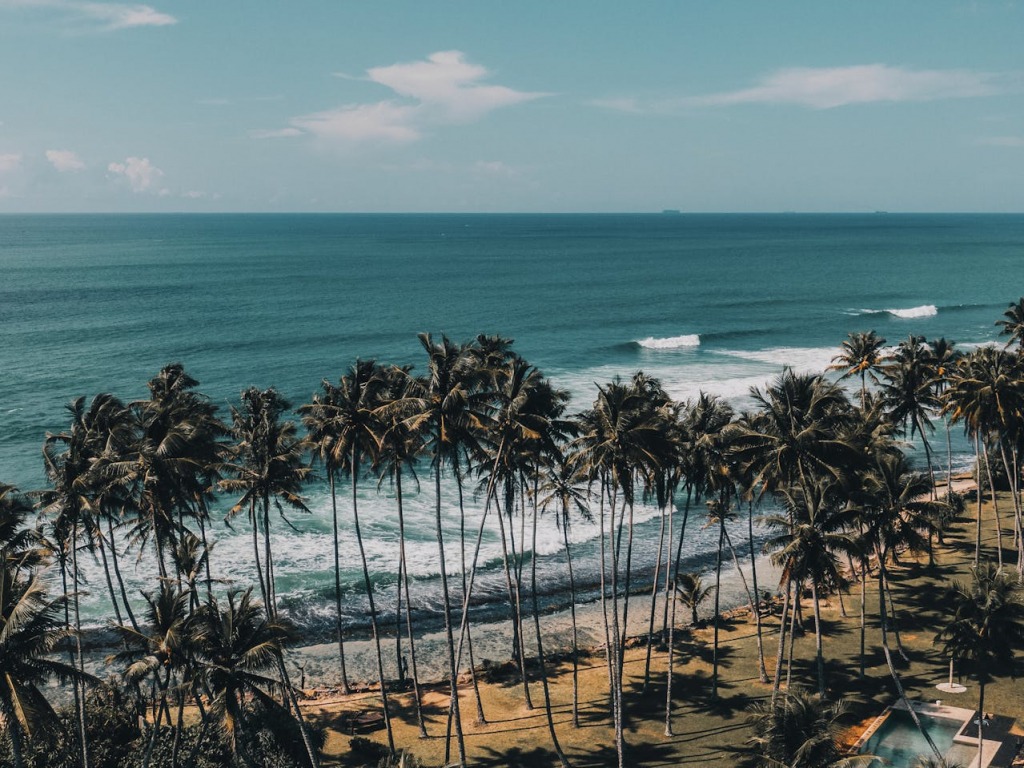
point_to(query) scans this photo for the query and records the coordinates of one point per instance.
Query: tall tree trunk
(762, 671)
(480, 717)
(817, 639)
(572, 614)
(718, 602)
(863, 609)
(654, 600)
(373, 607)
(256, 555)
(753, 605)
(120, 579)
(540, 646)
(979, 494)
(337, 583)
(404, 569)
(995, 505)
(670, 595)
(777, 680)
(452, 672)
(311, 753)
(79, 662)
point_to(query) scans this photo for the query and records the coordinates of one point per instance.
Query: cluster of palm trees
(144, 477)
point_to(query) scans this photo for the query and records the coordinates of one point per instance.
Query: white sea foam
(925, 310)
(671, 342)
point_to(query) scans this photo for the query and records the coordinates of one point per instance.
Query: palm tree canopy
(987, 626)
(1013, 324)
(799, 730)
(860, 354)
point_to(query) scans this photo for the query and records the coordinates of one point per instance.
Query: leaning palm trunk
(978, 485)
(120, 579)
(512, 585)
(293, 702)
(373, 607)
(616, 646)
(995, 505)
(817, 638)
(572, 614)
(654, 600)
(777, 680)
(337, 584)
(753, 606)
(404, 576)
(79, 663)
(888, 658)
(540, 647)
(718, 593)
(757, 604)
(452, 672)
(481, 718)
(256, 555)
(669, 585)
(863, 611)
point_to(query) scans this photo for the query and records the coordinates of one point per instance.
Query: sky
(526, 106)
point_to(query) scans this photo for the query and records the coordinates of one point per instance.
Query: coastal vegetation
(199, 673)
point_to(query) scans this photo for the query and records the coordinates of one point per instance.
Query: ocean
(92, 304)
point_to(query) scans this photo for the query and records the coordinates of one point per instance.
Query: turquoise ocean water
(721, 302)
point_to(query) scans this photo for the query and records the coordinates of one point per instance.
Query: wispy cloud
(1002, 141)
(443, 89)
(829, 87)
(64, 160)
(139, 172)
(9, 161)
(274, 133)
(110, 16)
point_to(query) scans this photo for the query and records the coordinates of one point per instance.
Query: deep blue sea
(92, 304)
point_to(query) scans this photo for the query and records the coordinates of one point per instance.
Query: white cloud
(383, 121)
(9, 162)
(447, 81)
(110, 16)
(278, 133)
(495, 168)
(443, 89)
(828, 87)
(139, 172)
(64, 160)
(1002, 141)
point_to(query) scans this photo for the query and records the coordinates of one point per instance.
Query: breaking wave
(671, 342)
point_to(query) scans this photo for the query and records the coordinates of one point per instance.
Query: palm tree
(986, 629)
(448, 415)
(319, 418)
(691, 590)
(161, 651)
(807, 548)
(1013, 325)
(562, 490)
(235, 646)
(20, 547)
(944, 360)
(356, 428)
(908, 391)
(397, 450)
(266, 464)
(31, 627)
(860, 355)
(800, 731)
(987, 395)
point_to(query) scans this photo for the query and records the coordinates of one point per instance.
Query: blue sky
(191, 105)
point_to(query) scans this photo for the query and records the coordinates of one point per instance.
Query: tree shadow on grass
(515, 757)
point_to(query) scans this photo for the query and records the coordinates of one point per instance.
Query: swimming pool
(899, 741)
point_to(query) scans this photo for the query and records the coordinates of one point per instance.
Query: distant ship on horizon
(671, 211)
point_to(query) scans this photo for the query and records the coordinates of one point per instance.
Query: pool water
(898, 741)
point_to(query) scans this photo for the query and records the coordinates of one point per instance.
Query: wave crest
(671, 342)
(925, 310)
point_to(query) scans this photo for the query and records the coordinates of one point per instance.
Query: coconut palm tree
(319, 417)
(691, 590)
(986, 629)
(800, 731)
(355, 403)
(860, 355)
(1013, 325)
(908, 392)
(812, 535)
(987, 395)
(20, 547)
(31, 628)
(235, 646)
(448, 415)
(563, 491)
(398, 448)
